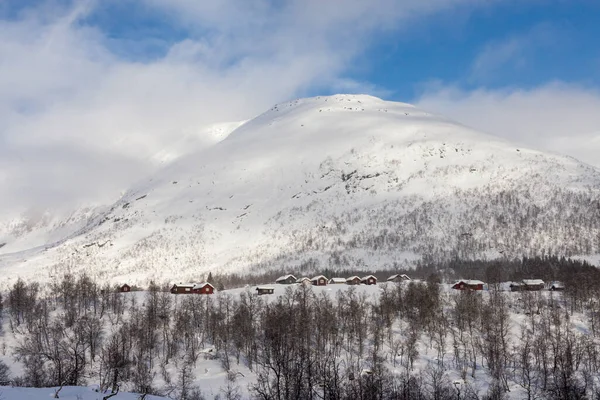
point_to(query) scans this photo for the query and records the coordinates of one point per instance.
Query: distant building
(516, 286)
(319, 280)
(196, 288)
(286, 280)
(353, 280)
(182, 288)
(304, 280)
(368, 280)
(533, 284)
(203, 288)
(556, 286)
(337, 281)
(468, 284)
(125, 288)
(260, 290)
(398, 278)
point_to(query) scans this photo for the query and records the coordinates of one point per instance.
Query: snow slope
(43, 229)
(67, 393)
(341, 181)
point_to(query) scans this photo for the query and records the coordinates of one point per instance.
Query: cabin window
(187, 289)
(207, 289)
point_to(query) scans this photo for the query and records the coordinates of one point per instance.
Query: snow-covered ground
(210, 377)
(68, 393)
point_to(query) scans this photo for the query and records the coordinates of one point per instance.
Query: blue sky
(541, 43)
(101, 86)
(520, 44)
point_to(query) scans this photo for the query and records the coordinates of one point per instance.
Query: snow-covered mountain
(340, 182)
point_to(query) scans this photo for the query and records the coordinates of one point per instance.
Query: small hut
(286, 280)
(319, 280)
(533, 284)
(398, 278)
(368, 280)
(203, 288)
(182, 288)
(468, 284)
(516, 287)
(260, 290)
(353, 280)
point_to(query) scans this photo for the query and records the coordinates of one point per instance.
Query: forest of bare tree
(408, 341)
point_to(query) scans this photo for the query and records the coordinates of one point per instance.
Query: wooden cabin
(368, 280)
(398, 278)
(533, 284)
(286, 280)
(182, 288)
(337, 281)
(260, 290)
(516, 287)
(203, 288)
(468, 284)
(556, 286)
(353, 280)
(319, 280)
(125, 288)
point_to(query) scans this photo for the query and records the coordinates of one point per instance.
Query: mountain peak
(335, 182)
(341, 101)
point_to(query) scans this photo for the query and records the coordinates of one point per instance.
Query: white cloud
(516, 52)
(557, 117)
(79, 121)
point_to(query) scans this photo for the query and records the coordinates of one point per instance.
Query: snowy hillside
(42, 229)
(424, 338)
(340, 182)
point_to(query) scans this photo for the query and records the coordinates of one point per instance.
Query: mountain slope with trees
(336, 182)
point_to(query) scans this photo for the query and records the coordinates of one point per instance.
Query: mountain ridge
(336, 181)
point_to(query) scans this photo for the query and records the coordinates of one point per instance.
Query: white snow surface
(66, 393)
(308, 179)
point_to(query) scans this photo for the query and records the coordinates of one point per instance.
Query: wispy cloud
(513, 53)
(558, 117)
(81, 116)
(80, 120)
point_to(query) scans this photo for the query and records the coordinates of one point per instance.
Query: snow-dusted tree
(4, 374)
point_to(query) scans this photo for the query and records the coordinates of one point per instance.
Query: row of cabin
(193, 288)
(524, 285)
(535, 285)
(321, 280)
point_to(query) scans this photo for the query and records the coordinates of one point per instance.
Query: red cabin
(468, 284)
(182, 288)
(368, 280)
(203, 288)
